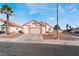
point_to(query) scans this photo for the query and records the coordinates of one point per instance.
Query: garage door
(34, 30)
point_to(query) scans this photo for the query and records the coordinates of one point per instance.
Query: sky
(46, 12)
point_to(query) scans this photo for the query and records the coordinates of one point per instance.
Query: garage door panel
(34, 30)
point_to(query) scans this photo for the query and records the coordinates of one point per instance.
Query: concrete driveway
(30, 38)
(27, 37)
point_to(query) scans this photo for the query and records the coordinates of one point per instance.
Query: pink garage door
(34, 30)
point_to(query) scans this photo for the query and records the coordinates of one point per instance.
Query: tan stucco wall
(47, 28)
(14, 29)
(25, 29)
(44, 29)
(32, 25)
(1, 24)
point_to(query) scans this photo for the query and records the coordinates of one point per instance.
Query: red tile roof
(11, 23)
(41, 23)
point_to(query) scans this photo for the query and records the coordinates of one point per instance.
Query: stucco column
(41, 29)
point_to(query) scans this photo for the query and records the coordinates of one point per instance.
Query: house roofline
(31, 21)
(44, 23)
(11, 23)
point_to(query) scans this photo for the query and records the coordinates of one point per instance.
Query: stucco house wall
(29, 25)
(25, 30)
(49, 28)
(1, 25)
(43, 27)
(13, 27)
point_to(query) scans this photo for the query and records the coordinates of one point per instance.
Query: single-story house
(36, 27)
(13, 27)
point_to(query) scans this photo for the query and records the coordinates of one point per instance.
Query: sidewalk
(73, 36)
(58, 42)
(26, 39)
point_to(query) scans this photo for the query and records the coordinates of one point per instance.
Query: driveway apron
(27, 37)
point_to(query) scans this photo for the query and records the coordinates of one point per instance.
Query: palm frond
(6, 9)
(11, 11)
(5, 6)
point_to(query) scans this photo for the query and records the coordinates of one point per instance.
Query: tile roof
(39, 22)
(11, 23)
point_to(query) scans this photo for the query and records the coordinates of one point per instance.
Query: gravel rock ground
(62, 36)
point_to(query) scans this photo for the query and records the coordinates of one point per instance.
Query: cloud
(71, 8)
(67, 8)
(39, 8)
(32, 7)
(52, 18)
(61, 9)
(35, 8)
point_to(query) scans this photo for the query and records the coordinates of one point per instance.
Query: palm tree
(5, 9)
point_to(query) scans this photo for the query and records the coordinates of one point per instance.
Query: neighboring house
(75, 30)
(36, 27)
(2, 25)
(14, 28)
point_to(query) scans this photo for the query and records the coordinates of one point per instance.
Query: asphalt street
(31, 49)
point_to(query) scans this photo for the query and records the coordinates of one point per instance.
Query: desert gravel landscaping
(10, 36)
(62, 36)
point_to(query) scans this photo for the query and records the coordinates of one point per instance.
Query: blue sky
(68, 13)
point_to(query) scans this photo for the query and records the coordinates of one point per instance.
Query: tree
(67, 26)
(70, 27)
(5, 9)
(57, 27)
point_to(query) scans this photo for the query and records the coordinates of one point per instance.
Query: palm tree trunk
(7, 24)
